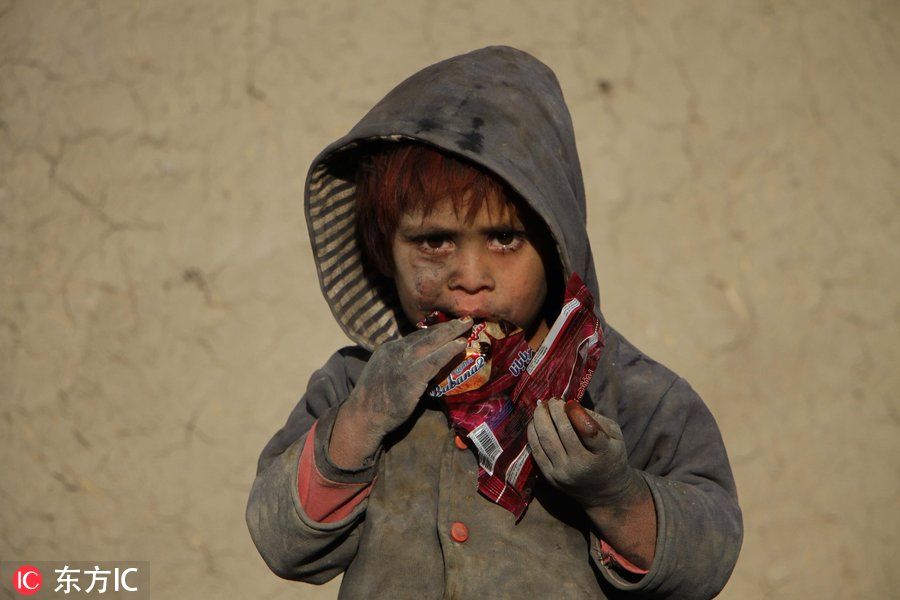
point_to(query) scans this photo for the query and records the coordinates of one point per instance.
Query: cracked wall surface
(159, 315)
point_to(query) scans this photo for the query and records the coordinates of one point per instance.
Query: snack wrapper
(491, 395)
(488, 349)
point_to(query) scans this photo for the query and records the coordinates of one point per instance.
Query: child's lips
(475, 313)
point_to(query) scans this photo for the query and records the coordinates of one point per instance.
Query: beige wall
(159, 312)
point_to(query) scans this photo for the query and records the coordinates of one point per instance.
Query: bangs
(408, 178)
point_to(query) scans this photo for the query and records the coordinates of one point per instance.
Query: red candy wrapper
(491, 395)
(488, 347)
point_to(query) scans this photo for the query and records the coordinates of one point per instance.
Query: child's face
(491, 267)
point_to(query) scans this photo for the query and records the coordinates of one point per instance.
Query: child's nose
(470, 273)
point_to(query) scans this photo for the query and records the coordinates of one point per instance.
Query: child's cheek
(428, 282)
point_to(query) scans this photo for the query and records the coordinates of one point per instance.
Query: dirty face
(493, 266)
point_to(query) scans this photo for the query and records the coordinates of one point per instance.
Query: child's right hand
(399, 371)
(388, 391)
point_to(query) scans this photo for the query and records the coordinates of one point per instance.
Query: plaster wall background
(159, 311)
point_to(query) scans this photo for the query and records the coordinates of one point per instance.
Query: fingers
(560, 439)
(429, 366)
(423, 341)
(546, 434)
(537, 452)
(567, 434)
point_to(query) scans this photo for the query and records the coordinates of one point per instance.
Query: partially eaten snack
(473, 369)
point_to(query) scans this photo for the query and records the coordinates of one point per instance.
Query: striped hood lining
(364, 303)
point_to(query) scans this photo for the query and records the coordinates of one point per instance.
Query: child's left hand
(592, 468)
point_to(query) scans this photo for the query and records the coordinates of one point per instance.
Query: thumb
(587, 425)
(593, 429)
(609, 427)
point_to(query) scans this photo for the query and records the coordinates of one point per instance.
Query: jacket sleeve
(682, 457)
(292, 544)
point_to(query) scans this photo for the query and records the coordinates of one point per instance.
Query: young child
(461, 191)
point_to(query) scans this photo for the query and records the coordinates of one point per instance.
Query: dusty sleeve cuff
(325, 501)
(609, 556)
(633, 579)
(286, 537)
(685, 563)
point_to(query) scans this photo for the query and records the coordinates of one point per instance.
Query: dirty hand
(581, 453)
(398, 373)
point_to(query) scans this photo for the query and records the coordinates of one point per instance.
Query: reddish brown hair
(404, 177)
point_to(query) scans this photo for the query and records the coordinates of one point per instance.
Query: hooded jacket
(503, 110)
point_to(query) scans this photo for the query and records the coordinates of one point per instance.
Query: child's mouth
(437, 315)
(457, 313)
(475, 314)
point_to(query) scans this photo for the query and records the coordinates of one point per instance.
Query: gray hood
(498, 107)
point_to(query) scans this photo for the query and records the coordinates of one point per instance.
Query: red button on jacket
(460, 443)
(459, 532)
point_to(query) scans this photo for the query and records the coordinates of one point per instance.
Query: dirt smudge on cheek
(428, 285)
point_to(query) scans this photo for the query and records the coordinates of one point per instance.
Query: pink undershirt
(327, 501)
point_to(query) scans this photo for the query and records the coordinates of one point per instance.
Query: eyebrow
(427, 229)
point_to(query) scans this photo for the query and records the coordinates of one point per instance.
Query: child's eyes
(507, 241)
(499, 241)
(433, 243)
